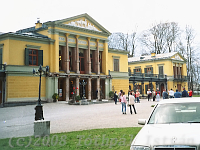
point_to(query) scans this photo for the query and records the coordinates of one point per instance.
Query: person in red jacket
(190, 93)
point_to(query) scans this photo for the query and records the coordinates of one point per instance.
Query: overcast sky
(114, 15)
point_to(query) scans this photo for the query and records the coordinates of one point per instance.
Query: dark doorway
(179, 87)
(62, 89)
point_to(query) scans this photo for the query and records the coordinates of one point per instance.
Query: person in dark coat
(177, 94)
(184, 93)
(115, 97)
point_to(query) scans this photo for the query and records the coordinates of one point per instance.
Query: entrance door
(62, 89)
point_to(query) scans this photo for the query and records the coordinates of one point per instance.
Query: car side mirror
(141, 121)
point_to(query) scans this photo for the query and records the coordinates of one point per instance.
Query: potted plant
(78, 98)
(55, 97)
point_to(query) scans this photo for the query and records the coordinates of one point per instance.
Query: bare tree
(114, 41)
(161, 37)
(172, 34)
(123, 41)
(190, 50)
(133, 44)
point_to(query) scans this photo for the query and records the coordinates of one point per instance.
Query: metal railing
(180, 77)
(147, 75)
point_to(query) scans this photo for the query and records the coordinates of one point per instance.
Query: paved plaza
(19, 121)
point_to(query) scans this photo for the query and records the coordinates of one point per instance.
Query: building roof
(32, 29)
(156, 57)
(32, 34)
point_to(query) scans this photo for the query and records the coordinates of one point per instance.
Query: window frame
(39, 57)
(116, 66)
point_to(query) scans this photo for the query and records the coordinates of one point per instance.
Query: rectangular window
(161, 70)
(138, 70)
(33, 57)
(161, 74)
(116, 64)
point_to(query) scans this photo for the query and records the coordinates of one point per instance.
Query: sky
(114, 15)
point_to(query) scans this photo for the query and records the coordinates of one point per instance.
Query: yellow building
(163, 71)
(75, 49)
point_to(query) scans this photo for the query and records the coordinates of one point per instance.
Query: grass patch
(111, 138)
(196, 95)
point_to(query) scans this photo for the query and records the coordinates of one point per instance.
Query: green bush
(78, 97)
(111, 94)
(55, 97)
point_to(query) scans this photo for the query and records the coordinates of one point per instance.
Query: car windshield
(176, 113)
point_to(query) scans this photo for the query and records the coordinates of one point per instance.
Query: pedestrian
(177, 94)
(137, 96)
(131, 102)
(153, 95)
(115, 97)
(96, 94)
(171, 93)
(149, 94)
(165, 94)
(157, 95)
(123, 101)
(184, 93)
(119, 95)
(190, 93)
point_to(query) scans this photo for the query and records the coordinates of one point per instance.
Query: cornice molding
(26, 38)
(33, 46)
(53, 24)
(118, 51)
(61, 32)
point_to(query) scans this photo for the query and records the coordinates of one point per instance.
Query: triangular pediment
(178, 57)
(83, 21)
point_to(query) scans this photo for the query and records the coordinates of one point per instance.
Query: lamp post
(83, 84)
(38, 108)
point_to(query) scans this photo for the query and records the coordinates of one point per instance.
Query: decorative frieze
(70, 40)
(82, 42)
(61, 39)
(83, 23)
(100, 44)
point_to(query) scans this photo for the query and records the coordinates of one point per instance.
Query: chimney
(153, 54)
(38, 24)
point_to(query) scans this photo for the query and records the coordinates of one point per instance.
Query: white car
(174, 124)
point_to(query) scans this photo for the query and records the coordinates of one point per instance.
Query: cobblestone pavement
(19, 121)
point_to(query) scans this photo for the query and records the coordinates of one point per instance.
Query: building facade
(163, 71)
(75, 49)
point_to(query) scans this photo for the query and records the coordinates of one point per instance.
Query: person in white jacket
(131, 102)
(171, 93)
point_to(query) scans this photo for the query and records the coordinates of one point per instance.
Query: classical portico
(81, 51)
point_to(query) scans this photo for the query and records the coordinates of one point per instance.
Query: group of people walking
(134, 97)
(122, 98)
(169, 94)
(154, 94)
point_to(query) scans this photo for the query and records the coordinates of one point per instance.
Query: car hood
(168, 134)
